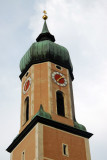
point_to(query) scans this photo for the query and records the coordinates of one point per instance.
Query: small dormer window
(58, 67)
(26, 74)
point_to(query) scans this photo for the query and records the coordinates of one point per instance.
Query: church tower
(48, 127)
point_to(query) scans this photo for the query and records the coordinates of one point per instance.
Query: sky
(81, 27)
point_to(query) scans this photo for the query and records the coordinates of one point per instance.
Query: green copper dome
(45, 50)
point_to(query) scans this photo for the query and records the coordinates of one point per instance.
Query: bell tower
(48, 127)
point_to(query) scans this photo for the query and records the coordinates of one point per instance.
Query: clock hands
(59, 79)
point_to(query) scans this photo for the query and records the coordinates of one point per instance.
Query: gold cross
(44, 12)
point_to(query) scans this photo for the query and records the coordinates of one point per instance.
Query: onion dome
(45, 49)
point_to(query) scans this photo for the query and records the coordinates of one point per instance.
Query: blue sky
(81, 27)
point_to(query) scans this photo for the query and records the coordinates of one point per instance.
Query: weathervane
(45, 16)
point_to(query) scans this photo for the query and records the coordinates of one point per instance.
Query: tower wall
(46, 143)
(43, 91)
(53, 145)
(25, 150)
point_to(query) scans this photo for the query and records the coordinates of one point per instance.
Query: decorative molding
(47, 122)
(46, 60)
(32, 91)
(87, 149)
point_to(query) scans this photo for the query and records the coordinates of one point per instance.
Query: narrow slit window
(60, 103)
(65, 149)
(23, 155)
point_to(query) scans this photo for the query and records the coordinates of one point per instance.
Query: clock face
(59, 79)
(26, 85)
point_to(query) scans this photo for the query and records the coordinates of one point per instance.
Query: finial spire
(45, 28)
(45, 16)
(45, 34)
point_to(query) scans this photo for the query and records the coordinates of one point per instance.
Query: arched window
(26, 110)
(60, 103)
